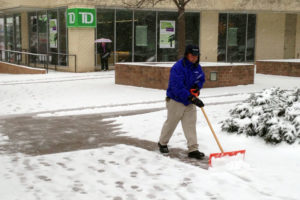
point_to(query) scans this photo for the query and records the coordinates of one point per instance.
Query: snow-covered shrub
(273, 114)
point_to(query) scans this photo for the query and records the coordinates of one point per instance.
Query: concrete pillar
(25, 33)
(209, 36)
(81, 43)
(297, 49)
(270, 32)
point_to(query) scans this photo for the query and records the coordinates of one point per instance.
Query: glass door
(105, 29)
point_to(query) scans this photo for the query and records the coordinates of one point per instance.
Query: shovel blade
(220, 155)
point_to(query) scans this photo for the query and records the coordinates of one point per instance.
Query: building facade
(225, 30)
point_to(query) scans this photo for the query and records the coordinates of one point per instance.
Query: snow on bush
(273, 114)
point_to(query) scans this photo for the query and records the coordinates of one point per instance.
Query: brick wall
(157, 77)
(278, 68)
(8, 68)
(229, 75)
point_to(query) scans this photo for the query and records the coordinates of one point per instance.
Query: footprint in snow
(102, 161)
(114, 163)
(44, 178)
(133, 174)
(120, 184)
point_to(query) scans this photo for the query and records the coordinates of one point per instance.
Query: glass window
(53, 37)
(166, 52)
(48, 34)
(251, 38)
(9, 33)
(18, 42)
(18, 33)
(222, 37)
(236, 42)
(2, 37)
(236, 39)
(192, 26)
(146, 39)
(144, 36)
(11, 36)
(42, 32)
(105, 29)
(33, 32)
(124, 36)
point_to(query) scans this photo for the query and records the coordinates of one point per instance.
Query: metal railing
(61, 59)
(51, 60)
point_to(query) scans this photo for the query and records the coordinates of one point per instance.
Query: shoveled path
(33, 135)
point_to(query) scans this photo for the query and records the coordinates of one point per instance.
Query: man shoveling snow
(186, 80)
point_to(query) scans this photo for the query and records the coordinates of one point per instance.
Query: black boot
(196, 154)
(163, 148)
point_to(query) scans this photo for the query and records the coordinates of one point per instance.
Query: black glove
(195, 87)
(195, 90)
(196, 101)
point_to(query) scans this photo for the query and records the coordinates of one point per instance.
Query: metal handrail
(44, 56)
(27, 61)
(24, 52)
(64, 54)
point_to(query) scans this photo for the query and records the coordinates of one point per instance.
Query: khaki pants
(188, 117)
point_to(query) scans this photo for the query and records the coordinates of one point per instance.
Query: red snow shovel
(222, 154)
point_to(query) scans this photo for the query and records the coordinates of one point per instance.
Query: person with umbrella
(104, 52)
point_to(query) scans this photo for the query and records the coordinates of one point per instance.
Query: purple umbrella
(105, 40)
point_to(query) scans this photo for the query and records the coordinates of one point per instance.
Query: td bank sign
(81, 17)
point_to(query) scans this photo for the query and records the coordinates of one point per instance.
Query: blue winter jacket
(183, 76)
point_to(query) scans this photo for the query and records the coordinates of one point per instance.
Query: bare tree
(180, 4)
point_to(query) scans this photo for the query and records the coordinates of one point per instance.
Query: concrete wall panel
(270, 31)
(297, 49)
(290, 36)
(209, 36)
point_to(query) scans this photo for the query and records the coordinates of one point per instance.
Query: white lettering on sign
(84, 16)
(71, 18)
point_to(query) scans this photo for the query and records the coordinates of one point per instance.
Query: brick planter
(283, 68)
(9, 68)
(156, 75)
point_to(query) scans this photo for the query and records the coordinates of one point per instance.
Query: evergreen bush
(273, 115)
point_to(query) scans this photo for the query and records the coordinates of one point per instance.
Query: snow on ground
(124, 172)
(21, 94)
(35, 93)
(128, 172)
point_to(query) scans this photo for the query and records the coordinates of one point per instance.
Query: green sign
(81, 17)
(232, 37)
(141, 39)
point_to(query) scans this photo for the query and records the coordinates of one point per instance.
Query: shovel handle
(212, 130)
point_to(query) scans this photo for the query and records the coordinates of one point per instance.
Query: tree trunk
(181, 32)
